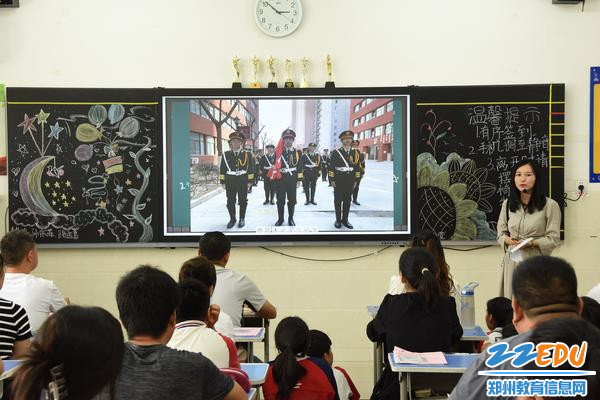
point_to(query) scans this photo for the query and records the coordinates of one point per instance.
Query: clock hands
(278, 12)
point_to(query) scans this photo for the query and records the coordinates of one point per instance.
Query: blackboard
(83, 164)
(468, 139)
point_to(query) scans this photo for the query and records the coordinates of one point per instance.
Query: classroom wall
(190, 43)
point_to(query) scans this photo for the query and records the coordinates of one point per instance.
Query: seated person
(39, 297)
(193, 334)
(594, 293)
(544, 288)
(203, 270)
(14, 325)
(79, 350)
(147, 299)
(293, 376)
(419, 320)
(233, 288)
(498, 318)
(591, 311)
(320, 347)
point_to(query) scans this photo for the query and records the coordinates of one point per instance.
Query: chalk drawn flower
(465, 171)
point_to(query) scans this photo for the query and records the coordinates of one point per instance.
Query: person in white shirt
(39, 297)
(594, 293)
(233, 289)
(203, 270)
(192, 332)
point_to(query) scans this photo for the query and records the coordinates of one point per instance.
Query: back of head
(14, 246)
(419, 269)
(199, 268)
(319, 344)
(146, 298)
(574, 331)
(291, 339)
(214, 245)
(194, 300)
(500, 308)
(86, 343)
(591, 311)
(431, 241)
(544, 285)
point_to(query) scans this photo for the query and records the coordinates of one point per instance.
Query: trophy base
(272, 85)
(236, 85)
(289, 84)
(330, 84)
(255, 85)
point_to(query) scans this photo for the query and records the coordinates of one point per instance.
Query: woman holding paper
(529, 222)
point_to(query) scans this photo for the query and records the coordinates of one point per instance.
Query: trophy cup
(273, 83)
(329, 66)
(288, 70)
(236, 84)
(256, 64)
(304, 82)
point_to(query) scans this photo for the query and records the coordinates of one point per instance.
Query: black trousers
(342, 194)
(355, 191)
(324, 174)
(269, 186)
(309, 183)
(236, 187)
(286, 188)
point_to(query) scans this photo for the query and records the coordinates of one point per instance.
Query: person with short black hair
(526, 214)
(544, 288)
(233, 289)
(38, 296)
(320, 347)
(192, 331)
(148, 299)
(293, 375)
(431, 316)
(498, 318)
(77, 349)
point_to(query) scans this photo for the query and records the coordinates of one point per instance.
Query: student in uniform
(320, 347)
(293, 375)
(311, 163)
(432, 317)
(498, 318)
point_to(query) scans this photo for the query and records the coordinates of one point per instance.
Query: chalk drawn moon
(30, 186)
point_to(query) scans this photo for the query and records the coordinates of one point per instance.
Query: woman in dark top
(420, 320)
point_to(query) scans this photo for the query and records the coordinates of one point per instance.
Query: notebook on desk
(402, 356)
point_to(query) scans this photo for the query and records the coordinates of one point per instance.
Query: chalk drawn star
(101, 231)
(102, 204)
(63, 197)
(42, 117)
(27, 124)
(98, 162)
(59, 149)
(131, 224)
(56, 184)
(68, 183)
(22, 149)
(118, 189)
(47, 184)
(73, 198)
(54, 194)
(55, 130)
(148, 199)
(65, 204)
(128, 182)
(138, 176)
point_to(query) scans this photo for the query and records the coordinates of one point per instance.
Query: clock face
(278, 18)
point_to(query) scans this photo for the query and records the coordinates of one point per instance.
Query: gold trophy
(273, 83)
(304, 83)
(329, 67)
(236, 68)
(256, 63)
(289, 83)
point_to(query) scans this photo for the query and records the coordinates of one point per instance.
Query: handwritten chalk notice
(82, 164)
(469, 138)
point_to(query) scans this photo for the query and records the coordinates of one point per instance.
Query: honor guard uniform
(343, 172)
(311, 164)
(291, 174)
(324, 164)
(266, 162)
(361, 166)
(236, 173)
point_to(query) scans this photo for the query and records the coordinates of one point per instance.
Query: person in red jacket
(320, 347)
(293, 375)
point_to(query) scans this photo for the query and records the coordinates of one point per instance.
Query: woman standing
(527, 213)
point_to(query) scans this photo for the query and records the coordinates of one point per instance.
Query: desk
(250, 319)
(457, 364)
(475, 334)
(252, 393)
(242, 335)
(257, 372)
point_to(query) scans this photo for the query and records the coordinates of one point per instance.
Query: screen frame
(288, 239)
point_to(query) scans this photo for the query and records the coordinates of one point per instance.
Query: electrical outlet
(585, 189)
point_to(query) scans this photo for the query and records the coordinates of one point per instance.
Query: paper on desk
(402, 356)
(246, 331)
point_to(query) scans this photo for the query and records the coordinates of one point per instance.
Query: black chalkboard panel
(469, 137)
(83, 164)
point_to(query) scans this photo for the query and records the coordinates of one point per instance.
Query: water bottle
(467, 305)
